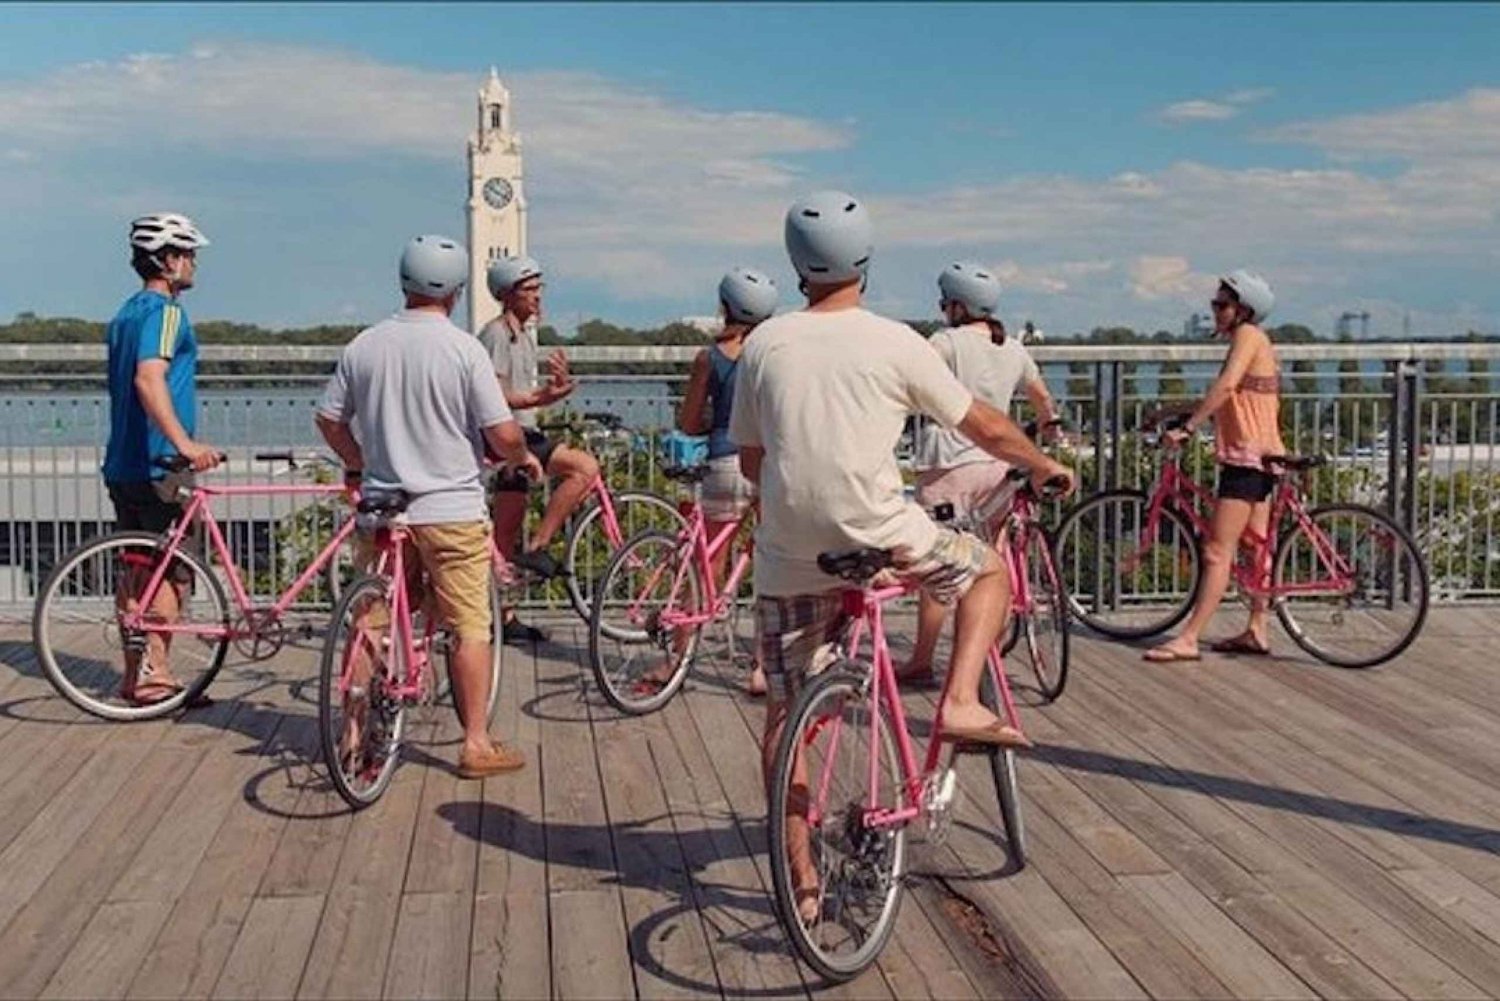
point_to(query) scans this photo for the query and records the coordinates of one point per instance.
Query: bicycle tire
(844, 681)
(390, 714)
(1003, 770)
(647, 561)
(50, 621)
(1048, 616)
(1295, 612)
(589, 549)
(1077, 569)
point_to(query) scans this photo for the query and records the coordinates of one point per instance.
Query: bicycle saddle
(383, 502)
(685, 474)
(1293, 463)
(855, 564)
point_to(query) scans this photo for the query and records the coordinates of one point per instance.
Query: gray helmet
(1252, 291)
(507, 272)
(829, 238)
(748, 296)
(434, 266)
(973, 286)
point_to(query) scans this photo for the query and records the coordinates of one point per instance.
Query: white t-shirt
(514, 355)
(826, 395)
(416, 391)
(990, 371)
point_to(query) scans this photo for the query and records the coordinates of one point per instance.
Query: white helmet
(434, 266)
(748, 296)
(506, 273)
(165, 230)
(829, 238)
(1252, 291)
(973, 286)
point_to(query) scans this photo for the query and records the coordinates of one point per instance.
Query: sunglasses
(1217, 303)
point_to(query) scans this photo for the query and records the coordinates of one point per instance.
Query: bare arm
(750, 459)
(508, 441)
(1041, 401)
(156, 400)
(1241, 354)
(339, 438)
(690, 413)
(1003, 438)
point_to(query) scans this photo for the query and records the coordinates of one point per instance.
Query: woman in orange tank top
(1244, 403)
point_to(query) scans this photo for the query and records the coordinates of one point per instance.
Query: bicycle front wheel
(360, 723)
(1045, 623)
(837, 877)
(639, 663)
(1120, 579)
(594, 539)
(1350, 587)
(85, 650)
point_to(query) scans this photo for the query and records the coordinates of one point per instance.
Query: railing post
(1397, 422)
(1100, 476)
(1116, 420)
(1412, 373)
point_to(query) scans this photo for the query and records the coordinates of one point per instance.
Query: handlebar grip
(604, 417)
(1054, 487)
(286, 457)
(178, 463)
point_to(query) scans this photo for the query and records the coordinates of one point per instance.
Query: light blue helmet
(1252, 291)
(434, 266)
(829, 238)
(507, 272)
(971, 285)
(748, 296)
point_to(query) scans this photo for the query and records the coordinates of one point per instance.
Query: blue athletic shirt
(150, 325)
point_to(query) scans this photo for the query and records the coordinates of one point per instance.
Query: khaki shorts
(796, 635)
(457, 560)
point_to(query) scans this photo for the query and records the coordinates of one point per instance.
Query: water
(272, 417)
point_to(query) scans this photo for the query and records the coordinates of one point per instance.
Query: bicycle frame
(704, 550)
(200, 507)
(867, 607)
(1188, 498)
(391, 563)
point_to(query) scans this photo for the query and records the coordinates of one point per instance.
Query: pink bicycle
(152, 599)
(1345, 580)
(848, 764)
(652, 602)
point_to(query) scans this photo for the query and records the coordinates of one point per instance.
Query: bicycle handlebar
(178, 463)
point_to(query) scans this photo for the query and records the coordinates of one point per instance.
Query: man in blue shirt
(153, 362)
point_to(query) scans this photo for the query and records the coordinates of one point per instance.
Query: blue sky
(1107, 159)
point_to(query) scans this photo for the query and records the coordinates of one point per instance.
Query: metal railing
(1411, 428)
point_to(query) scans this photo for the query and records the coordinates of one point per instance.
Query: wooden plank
(1235, 957)
(510, 951)
(1460, 897)
(430, 953)
(109, 951)
(272, 948)
(586, 963)
(43, 930)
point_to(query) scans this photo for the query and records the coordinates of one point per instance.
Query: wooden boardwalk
(1236, 828)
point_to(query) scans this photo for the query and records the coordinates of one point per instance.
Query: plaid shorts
(796, 635)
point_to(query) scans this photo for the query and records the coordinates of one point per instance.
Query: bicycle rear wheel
(359, 722)
(1368, 611)
(1118, 581)
(1003, 769)
(822, 771)
(591, 542)
(638, 663)
(1045, 624)
(82, 645)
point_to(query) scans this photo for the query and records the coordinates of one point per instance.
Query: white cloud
(1463, 127)
(1166, 277)
(1212, 109)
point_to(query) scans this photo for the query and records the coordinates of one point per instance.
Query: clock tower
(497, 200)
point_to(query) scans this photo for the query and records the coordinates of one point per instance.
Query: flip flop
(1243, 643)
(996, 733)
(166, 690)
(1161, 655)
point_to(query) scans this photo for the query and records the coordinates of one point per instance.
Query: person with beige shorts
(951, 469)
(408, 409)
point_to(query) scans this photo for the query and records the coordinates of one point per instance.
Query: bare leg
(798, 831)
(575, 472)
(166, 606)
(976, 625)
(470, 673)
(509, 512)
(1230, 518)
(930, 617)
(1257, 628)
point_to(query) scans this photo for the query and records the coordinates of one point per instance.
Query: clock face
(497, 192)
